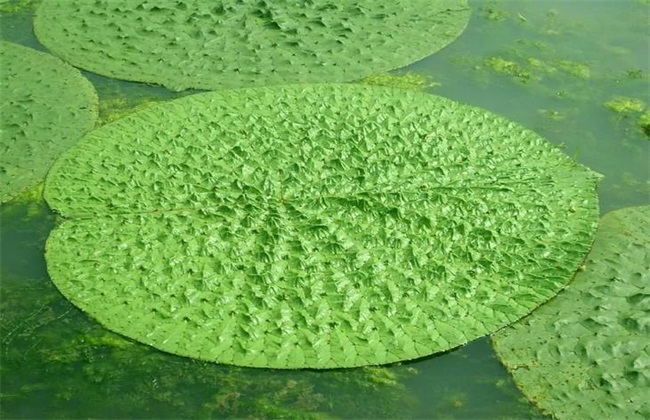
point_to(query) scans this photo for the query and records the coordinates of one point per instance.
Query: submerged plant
(114, 109)
(644, 123)
(622, 105)
(585, 354)
(315, 226)
(526, 69)
(17, 6)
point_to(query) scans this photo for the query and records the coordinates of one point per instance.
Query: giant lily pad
(235, 43)
(586, 353)
(315, 226)
(46, 106)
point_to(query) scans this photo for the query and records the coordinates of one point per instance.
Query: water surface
(550, 66)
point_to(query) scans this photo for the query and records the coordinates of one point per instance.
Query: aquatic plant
(116, 108)
(644, 123)
(411, 81)
(30, 201)
(586, 353)
(16, 6)
(315, 226)
(197, 44)
(623, 105)
(526, 69)
(627, 107)
(46, 106)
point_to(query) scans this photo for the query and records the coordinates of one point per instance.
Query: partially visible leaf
(46, 106)
(586, 353)
(196, 47)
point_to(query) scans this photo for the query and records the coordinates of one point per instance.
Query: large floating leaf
(46, 107)
(235, 43)
(586, 353)
(315, 226)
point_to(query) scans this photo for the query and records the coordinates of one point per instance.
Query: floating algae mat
(239, 43)
(586, 353)
(47, 105)
(315, 226)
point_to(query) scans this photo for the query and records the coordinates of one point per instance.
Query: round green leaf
(46, 107)
(237, 43)
(586, 353)
(315, 226)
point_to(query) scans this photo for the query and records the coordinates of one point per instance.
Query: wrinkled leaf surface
(46, 106)
(237, 43)
(315, 226)
(586, 353)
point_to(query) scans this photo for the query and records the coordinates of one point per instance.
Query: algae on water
(644, 123)
(411, 81)
(526, 69)
(624, 105)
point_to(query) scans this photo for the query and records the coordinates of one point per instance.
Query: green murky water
(552, 66)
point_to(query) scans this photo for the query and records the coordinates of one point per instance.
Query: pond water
(549, 65)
